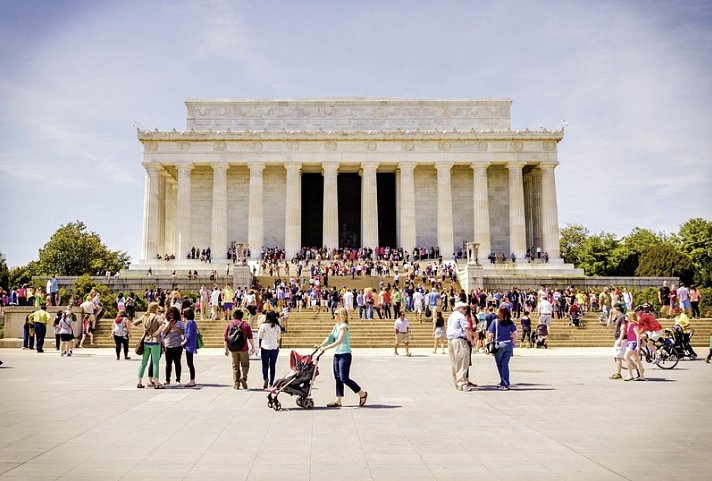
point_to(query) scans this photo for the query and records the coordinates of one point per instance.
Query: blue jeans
(27, 340)
(369, 311)
(269, 363)
(342, 368)
(502, 359)
(40, 330)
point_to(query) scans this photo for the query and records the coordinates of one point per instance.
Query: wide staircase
(307, 328)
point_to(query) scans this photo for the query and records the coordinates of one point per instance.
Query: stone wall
(238, 190)
(275, 187)
(426, 203)
(462, 206)
(498, 179)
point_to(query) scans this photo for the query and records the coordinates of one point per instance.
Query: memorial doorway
(312, 210)
(386, 183)
(349, 188)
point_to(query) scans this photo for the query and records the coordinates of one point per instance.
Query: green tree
(632, 246)
(72, 251)
(696, 241)
(84, 285)
(4, 273)
(571, 242)
(665, 261)
(600, 254)
(23, 274)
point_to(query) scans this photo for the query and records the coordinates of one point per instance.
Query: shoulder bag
(492, 345)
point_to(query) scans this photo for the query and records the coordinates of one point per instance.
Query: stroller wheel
(277, 405)
(269, 403)
(308, 403)
(300, 401)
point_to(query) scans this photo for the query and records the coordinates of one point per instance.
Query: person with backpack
(239, 346)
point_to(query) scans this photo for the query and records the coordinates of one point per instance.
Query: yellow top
(41, 316)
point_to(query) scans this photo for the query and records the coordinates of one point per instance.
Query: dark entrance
(312, 210)
(386, 183)
(349, 186)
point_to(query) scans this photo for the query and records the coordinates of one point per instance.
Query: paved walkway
(82, 418)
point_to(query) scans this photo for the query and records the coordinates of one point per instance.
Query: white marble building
(346, 171)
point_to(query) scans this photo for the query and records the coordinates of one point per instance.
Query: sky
(630, 80)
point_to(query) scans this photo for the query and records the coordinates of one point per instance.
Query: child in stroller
(542, 334)
(299, 382)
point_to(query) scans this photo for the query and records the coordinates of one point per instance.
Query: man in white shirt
(215, 303)
(401, 328)
(545, 309)
(418, 300)
(459, 340)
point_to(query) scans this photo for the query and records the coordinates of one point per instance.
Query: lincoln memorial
(347, 172)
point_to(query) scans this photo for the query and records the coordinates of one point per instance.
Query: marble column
(218, 237)
(170, 217)
(330, 218)
(481, 224)
(407, 206)
(517, 223)
(369, 203)
(183, 212)
(255, 216)
(149, 245)
(445, 222)
(293, 210)
(549, 211)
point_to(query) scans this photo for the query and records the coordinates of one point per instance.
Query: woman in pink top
(695, 301)
(632, 354)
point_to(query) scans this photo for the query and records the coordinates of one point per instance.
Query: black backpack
(235, 338)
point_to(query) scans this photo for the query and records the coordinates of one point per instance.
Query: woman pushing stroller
(340, 339)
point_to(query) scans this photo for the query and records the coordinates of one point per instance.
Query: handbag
(492, 345)
(201, 342)
(139, 345)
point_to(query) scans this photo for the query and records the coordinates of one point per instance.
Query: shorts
(227, 306)
(439, 333)
(632, 346)
(66, 337)
(654, 335)
(402, 337)
(686, 305)
(619, 349)
(418, 308)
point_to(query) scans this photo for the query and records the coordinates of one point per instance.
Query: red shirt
(647, 323)
(246, 331)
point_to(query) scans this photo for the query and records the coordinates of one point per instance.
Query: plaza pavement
(82, 418)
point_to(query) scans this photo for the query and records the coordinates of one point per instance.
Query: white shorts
(654, 335)
(619, 349)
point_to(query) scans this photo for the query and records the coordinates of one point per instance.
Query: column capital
(369, 164)
(330, 168)
(155, 166)
(407, 165)
(480, 165)
(518, 164)
(220, 165)
(292, 164)
(256, 166)
(443, 165)
(548, 164)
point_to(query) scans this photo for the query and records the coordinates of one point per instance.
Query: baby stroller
(681, 340)
(542, 334)
(299, 382)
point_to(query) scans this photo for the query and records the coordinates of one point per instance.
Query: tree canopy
(73, 251)
(643, 252)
